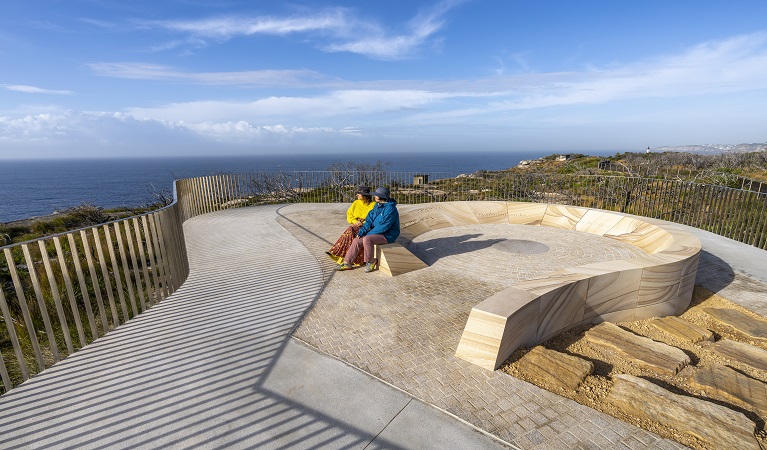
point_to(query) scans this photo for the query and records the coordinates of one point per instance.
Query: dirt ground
(593, 390)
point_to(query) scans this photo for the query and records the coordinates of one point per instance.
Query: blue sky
(103, 78)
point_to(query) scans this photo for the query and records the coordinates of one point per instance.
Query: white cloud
(336, 104)
(36, 90)
(224, 28)
(245, 131)
(332, 30)
(384, 46)
(732, 65)
(713, 68)
(120, 133)
(671, 89)
(251, 78)
(728, 66)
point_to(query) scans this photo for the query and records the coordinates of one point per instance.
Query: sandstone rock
(654, 355)
(751, 327)
(723, 383)
(749, 355)
(555, 369)
(716, 425)
(683, 330)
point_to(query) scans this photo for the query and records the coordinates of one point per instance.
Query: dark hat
(383, 193)
(364, 190)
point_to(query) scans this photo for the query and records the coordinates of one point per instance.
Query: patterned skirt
(339, 249)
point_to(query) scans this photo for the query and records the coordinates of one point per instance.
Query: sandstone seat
(394, 259)
(532, 311)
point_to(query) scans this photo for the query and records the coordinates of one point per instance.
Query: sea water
(31, 188)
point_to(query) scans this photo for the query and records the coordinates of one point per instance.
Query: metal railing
(733, 213)
(59, 293)
(62, 292)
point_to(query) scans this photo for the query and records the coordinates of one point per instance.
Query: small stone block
(498, 326)
(684, 296)
(654, 355)
(683, 330)
(560, 216)
(556, 369)
(716, 425)
(626, 225)
(562, 308)
(651, 238)
(740, 352)
(723, 383)
(458, 213)
(751, 327)
(614, 316)
(597, 222)
(611, 289)
(655, 310)
(522, 213)
(394, 259)
(490, 212)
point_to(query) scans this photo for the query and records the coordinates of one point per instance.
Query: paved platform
(404, 330)
(214, 365)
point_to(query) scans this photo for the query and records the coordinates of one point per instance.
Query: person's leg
(353, 250)
(369, 243)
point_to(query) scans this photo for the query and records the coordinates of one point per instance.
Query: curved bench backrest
(534, 310)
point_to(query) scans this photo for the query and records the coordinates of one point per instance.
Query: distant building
(648, 149)
(564, 157)
(420, 179)
(604, 164)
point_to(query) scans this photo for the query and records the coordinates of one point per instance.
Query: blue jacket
(382, 219)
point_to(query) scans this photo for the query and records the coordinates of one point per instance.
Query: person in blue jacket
(381, 227)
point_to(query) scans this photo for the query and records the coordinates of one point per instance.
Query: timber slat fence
(59, 293)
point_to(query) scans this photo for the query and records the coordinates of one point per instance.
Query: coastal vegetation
(74, 218)
(59, 293)
(734, 170)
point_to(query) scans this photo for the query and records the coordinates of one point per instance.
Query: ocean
(32, 188)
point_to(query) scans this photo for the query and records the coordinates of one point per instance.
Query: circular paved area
(505, 254)
(405, 329)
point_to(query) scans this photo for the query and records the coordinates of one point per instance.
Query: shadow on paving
(194, 371)
(432, 250)
(713, 273)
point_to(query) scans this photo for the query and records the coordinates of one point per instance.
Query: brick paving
(405, 330)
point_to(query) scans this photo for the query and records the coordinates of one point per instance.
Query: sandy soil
(594, 389)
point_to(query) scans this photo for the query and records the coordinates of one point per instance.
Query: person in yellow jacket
(355, 216)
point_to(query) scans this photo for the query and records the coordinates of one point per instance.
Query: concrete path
(213, 366)
(732, 269)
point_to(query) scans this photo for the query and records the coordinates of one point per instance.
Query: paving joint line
(460, 419)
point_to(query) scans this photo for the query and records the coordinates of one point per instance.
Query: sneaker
(371, 266)
(344, 266)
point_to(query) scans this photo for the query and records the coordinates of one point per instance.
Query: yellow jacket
(358, 211)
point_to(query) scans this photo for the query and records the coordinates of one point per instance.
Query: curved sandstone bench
(534, 310)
